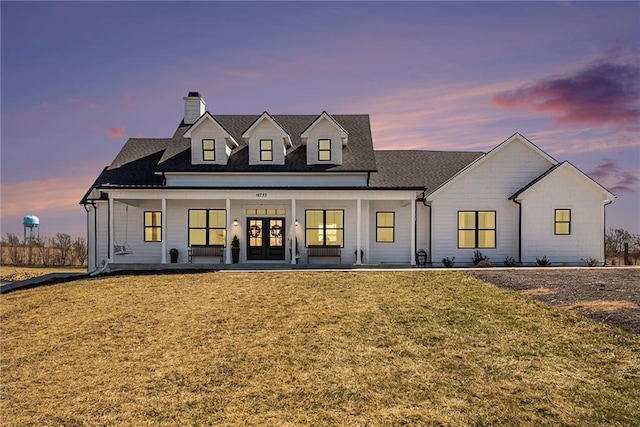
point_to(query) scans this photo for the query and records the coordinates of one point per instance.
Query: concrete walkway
(47, 279)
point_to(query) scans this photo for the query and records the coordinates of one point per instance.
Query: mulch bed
(607, 295)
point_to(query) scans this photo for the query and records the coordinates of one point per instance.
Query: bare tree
(12, 243)
(62, 243)
(80, 250)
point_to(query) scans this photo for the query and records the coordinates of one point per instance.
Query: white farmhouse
(311, 189)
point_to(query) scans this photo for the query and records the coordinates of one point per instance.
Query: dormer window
(324, 139)
(266, 150)
(209, 150)
(324, 150)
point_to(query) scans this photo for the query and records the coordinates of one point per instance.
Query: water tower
(32, 223)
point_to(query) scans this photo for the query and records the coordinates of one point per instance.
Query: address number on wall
(261, 194)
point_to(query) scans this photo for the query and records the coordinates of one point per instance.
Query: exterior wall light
(235, 222)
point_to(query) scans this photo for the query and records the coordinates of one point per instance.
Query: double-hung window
(324, 227)
(324, 149)
(207, 227)
(562, 221)
(153, 226)
(385, 227)
(476, 229)
(266, 150)
(209, 149)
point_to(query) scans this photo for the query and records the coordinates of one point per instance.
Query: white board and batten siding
(486, 188)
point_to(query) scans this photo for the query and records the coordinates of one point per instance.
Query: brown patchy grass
(308, 348)
(601, 305)
(538, 292)
(10, 273)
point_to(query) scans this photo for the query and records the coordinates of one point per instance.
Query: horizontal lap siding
(487, 187)
(398, 251)
(350, 232)
(562, 190)
(133, 232)
(178, 223)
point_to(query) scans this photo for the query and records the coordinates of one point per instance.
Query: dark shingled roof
(139, 161)
(417, 168)
(356, 156)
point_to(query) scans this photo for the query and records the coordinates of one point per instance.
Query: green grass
(293, 348)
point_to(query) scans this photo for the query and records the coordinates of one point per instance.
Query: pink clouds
(616, 179)
(117, 132)
(602, 93)
(72, 100)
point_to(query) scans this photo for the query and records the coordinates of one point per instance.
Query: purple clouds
(603, 93)
(617, 180)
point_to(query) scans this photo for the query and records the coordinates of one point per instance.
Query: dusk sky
(79, 78)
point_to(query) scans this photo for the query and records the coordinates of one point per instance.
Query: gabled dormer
(267, 141)
(324, 139)
(211, 143)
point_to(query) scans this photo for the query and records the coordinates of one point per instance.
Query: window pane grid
(266, 150)
(562, 221)
(476, 229)
(207, 227)
(153, 226)
(324, 227)
(385, 227)
(324, 149)
(208, 149)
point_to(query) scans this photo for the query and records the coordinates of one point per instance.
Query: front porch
(138, 230)
(258, 266)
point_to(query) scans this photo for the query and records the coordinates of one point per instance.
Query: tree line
(621, 247)
(59, 250)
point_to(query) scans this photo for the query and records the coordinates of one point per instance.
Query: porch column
(412, 226)
(227, 245)
(163, 260)
(358, 232)
(111, 233)
(293, 234)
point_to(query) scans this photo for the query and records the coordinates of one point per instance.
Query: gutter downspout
(423, 199)
(604, 233)
(519, 229)
(95, 233)
(84, 205)
(103, 268)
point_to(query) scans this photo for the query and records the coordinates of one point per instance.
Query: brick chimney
(194, 107)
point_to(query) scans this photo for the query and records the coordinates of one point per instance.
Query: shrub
(590, 262)
(509, 261)
(448, 262)
(477, 257)
(484, 263)
(543, 262)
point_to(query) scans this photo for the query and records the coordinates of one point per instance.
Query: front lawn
(308, 348)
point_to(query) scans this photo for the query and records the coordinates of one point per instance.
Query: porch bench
(324, 252)
(206, 251)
